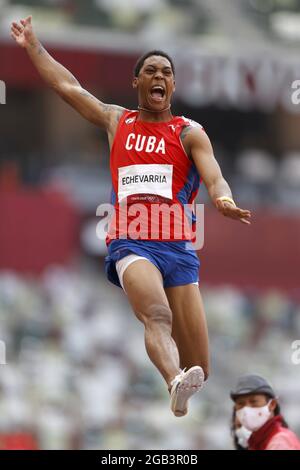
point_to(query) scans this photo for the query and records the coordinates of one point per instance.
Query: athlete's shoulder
(187, 122)
(192, 133)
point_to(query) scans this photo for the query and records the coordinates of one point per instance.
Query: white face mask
(254, 418)
(243, 434)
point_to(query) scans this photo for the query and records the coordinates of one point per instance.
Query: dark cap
(251, 384)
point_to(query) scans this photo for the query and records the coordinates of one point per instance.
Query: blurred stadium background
(77, 375)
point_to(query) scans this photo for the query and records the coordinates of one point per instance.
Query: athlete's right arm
(62, 81)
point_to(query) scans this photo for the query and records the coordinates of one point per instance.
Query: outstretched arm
(62, 81)
(199, 147)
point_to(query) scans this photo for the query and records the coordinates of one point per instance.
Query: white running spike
(183, 386)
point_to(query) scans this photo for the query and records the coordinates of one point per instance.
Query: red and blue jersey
(153, 180)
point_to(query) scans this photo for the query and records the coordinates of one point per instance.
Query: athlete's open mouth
(157, 92)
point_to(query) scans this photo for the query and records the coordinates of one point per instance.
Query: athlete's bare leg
(144, 287)
(189, 326)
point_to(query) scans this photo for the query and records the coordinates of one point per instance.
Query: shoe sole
(190, 384)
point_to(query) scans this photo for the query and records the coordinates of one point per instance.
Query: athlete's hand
(229, 210)
(23, 33)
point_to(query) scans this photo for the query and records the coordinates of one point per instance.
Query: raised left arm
(198, 146)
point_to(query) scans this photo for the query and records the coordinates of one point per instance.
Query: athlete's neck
(152, 115)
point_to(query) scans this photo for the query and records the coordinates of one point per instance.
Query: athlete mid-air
(156, 160)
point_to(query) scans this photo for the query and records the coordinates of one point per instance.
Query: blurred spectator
(257, 409)
(240, 434)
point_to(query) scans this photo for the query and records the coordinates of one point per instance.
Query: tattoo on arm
(185, 132)
(119, 112)
(89, 95)
(183, 135)
(41, 50)
(73, 79)
(105, 108)
(38, 45)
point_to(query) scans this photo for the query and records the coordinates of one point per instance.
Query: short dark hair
(141, 60)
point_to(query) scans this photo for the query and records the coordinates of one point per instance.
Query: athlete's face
(155, 83)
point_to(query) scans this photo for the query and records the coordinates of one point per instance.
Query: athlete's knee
(157, 314)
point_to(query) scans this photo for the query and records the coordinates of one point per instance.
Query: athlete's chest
(138, 143)
(147, 144)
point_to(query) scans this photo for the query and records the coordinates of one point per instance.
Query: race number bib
(145, 179)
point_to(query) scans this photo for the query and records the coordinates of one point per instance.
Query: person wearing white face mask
(257, 409)
(243, 436)
(239, 433)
